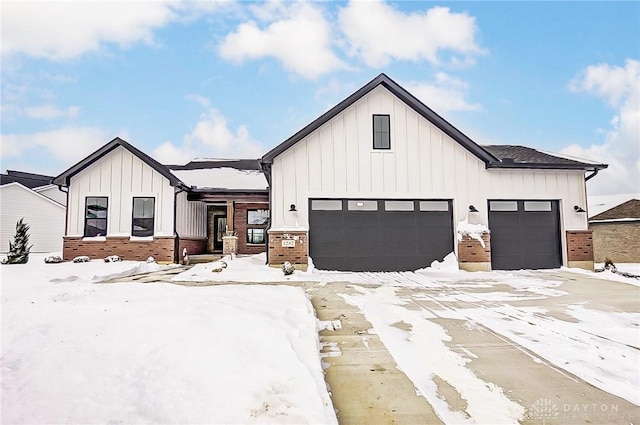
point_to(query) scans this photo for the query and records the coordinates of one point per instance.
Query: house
(41, 204)
(616, 233)
(121, 201)
(381, 182)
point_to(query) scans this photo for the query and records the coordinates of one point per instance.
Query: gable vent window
(381, 132)
(95, 216)
(143, 216)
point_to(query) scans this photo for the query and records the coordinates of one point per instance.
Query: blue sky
(233, 79)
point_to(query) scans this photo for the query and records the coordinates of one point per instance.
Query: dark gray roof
(239, 164)
(402, 94)
(64, 178)
(29, 180)
(512, 156)
(629, 209)
(493, 156)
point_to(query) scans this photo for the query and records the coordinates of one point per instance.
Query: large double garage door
(524, 234)
(379, 235)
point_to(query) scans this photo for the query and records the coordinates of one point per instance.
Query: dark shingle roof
(29, 180)
(629, 209)
(512, 156)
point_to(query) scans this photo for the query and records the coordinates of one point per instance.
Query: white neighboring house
(44, 215)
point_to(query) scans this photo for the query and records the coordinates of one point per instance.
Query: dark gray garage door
(524, 234)
(379, 235)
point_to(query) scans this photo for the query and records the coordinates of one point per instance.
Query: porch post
(230, 216)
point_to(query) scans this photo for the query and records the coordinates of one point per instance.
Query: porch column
(230, 216)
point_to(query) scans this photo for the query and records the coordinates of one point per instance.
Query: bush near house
(20, 248)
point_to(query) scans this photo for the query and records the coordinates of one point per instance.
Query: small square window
(381, 132)
(255, 236)
(257, 216)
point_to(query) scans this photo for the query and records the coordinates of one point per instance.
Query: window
(258, 216)
(143, 217)
(255, 236)
(381, 132)
(95, 216)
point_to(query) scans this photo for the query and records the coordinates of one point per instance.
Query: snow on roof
(223, 178)
(601, 203)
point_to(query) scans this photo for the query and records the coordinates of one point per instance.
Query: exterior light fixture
(578, 209)
(472, 209)
(292, 208)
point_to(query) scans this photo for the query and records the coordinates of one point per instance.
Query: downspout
(266, 169)
(176, 240)
(66, 209)
(590, 176)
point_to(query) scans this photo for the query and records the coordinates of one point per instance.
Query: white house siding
(191, 217)
(338, 161)
(44, 217)
(52, 192)
(120, 176)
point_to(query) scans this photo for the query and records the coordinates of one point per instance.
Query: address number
(288, 243)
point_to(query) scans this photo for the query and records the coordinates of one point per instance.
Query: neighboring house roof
(29, 180)
(64, 178)
(491, 157)
(222, 175)
(629, 210)
(600, 203)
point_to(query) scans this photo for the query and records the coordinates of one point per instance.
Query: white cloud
(378, 32)
(64, 146)
(445, 94)
(47, 112)
(299, 37)
(213, 138)
(619, 86)
(63, 30)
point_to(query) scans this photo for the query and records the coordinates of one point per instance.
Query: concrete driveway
(550, 347)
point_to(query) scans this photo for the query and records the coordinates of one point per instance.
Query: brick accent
(240, 226)
(194, 246)
(579, 245)
(618, 241)
(161, 248)
(470, 250)
(298, 254)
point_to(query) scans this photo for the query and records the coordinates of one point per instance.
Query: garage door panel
(525, 237)
(390, 237)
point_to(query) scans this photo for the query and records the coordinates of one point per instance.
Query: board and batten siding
(44, 216)
(120, 176)
(191, 217)
(338, 161)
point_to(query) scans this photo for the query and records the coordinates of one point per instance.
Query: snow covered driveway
(503, 347)
(78, 352)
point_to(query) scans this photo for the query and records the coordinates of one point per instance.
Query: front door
(220, 229)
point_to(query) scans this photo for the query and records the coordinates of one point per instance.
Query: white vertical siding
(120, 176)
(191, 217)
(423, 162)
(44, 216)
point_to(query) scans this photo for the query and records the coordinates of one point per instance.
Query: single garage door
(379, 234)
(524, 234)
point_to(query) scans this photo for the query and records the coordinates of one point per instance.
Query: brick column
(580, 249)
(291, 246)
(472, 255)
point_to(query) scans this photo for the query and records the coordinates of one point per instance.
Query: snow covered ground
(74, 351)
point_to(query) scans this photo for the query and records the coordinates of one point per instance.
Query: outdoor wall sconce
(578, 209)
(472, 209)
(292, 208)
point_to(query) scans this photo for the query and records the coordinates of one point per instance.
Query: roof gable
(65, 178)
(629, 209)
(492, 156)
(402, 94)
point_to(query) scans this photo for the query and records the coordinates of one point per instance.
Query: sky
(229, 79)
